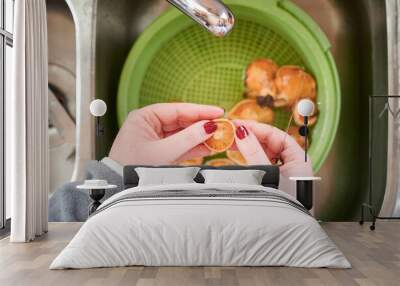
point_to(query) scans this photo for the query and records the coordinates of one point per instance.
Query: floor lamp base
(373, 213)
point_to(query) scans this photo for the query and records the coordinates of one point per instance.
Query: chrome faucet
(211, 14)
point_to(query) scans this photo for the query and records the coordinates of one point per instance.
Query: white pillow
(166, 176)
(248, 177)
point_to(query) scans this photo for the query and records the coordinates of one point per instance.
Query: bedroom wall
(356, 30)
(357, 33)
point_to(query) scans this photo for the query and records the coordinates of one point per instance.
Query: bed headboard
(270, 179)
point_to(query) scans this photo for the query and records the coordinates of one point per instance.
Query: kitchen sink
(355, 29)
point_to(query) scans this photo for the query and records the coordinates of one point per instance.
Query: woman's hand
(161, 134)
(261, 143)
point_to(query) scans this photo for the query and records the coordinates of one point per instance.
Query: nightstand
(304, 190)
(97, 190)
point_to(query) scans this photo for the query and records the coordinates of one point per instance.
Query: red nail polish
(210, 127)
(241, 132)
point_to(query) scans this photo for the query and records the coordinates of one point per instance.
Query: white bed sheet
(200, 232)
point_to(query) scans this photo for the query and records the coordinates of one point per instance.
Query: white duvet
(200, 231)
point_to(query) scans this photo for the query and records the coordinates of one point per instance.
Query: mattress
(201, 225)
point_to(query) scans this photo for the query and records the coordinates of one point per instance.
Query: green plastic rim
(176, 60)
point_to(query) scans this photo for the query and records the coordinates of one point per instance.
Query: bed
(201, 224)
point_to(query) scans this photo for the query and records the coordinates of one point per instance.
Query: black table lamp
(305, 108)
(97, 188)
(98, 108)
(304, 185)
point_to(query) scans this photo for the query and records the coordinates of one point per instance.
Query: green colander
(175, 60)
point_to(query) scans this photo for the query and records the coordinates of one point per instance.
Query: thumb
(178, 144)
(251, 149)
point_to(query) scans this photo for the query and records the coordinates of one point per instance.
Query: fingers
(266, 134)
(198, 151)
(234, 147)
(172, 116)
(178, 144)
(275, 140)
(249, 146)
(280, 144)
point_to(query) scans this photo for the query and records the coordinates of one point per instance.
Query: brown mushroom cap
(220, 162)
(293, 84)
(260, 78)
(248, 109)
(299, 120)
(192, 162)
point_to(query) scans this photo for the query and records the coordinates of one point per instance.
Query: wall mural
(160, 64)
(261, 79)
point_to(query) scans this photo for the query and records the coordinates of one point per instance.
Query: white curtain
(391, 202)
(27, 172)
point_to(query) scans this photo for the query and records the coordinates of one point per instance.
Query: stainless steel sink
(357, 32)
(62, 95)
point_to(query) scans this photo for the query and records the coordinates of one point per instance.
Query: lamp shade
(305, 107)
(98, 107)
